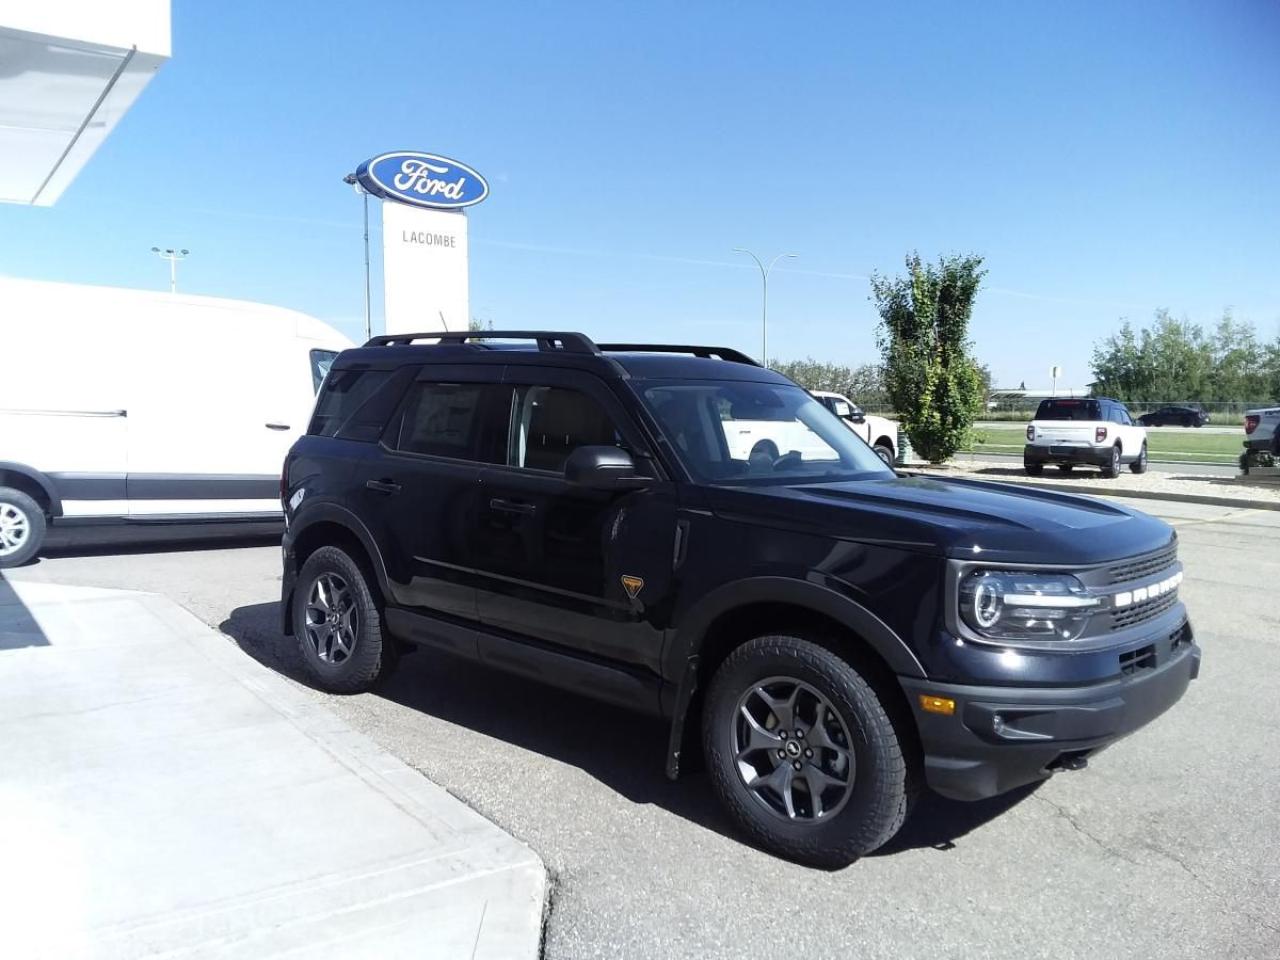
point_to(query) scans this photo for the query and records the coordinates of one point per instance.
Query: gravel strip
(1174, 486)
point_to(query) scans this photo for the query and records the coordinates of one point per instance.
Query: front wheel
(802, 753)
(1033, 469)
(22, 527)
(885, 453)
(1140, 465)
(338, 624)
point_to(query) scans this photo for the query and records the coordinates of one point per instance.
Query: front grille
(1143, 567)
(1141, 612)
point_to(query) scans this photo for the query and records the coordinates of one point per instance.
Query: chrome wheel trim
(331, 618)
(15, 529)
(792, 750)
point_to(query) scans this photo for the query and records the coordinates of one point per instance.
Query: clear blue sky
(1106, 158)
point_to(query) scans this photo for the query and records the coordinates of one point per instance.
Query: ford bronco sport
(831, 634)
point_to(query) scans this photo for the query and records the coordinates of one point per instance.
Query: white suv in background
(1097, 431)
(880, 434)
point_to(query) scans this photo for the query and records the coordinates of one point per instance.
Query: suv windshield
(741, 432)
(1069, 409)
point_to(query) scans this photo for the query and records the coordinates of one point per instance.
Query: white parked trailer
(136, 406)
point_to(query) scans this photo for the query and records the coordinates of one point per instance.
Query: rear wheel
(1140, 465)
(1112, 469)
(22, 527)
(338, 624)
(802, 753)
(884, 452)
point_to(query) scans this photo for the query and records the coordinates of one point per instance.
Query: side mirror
(858, 418)
(603, 468)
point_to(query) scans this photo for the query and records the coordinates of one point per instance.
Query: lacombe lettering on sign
(422, 179)
(429, 239)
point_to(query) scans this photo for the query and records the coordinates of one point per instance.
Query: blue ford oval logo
(423, 179)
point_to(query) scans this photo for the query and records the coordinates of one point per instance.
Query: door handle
(276, 426)
(383, 486)
(511, 506)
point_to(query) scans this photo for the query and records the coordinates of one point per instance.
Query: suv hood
(968, 519)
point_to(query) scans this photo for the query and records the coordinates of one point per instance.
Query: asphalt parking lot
(1167, 845)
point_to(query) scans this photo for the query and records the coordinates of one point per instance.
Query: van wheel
(1140, 465)
(1112, 469)
(802, 752)
(22, 527)
(338, 624)
(884, 452)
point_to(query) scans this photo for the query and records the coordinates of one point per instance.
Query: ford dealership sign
(422, 179)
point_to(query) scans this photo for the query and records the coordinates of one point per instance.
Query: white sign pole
(1055, 372)
(424, 269)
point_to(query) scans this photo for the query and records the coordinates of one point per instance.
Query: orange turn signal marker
(943, 705)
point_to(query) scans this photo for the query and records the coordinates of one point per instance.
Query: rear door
(417, 490)
(585, 569)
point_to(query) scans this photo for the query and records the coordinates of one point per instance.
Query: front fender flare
(686, 646)
(44, 483)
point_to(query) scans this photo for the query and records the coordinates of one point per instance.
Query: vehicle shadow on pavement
(122, 540)
(18, 628)
(575, 730)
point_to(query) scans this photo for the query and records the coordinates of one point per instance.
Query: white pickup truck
(1098, 431)
(1261, 434)
(879, 433)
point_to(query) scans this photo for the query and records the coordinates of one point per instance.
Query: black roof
(562, 349)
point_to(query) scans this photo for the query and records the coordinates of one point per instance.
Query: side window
(464, 421)
(343, 394)
(321, 363)
(551, 422)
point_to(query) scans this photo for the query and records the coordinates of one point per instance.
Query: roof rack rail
(710, 353)
(546, 339)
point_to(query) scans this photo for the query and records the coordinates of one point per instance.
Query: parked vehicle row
(151, 408)
(829, 635)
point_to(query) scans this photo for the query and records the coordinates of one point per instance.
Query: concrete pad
(163, 795)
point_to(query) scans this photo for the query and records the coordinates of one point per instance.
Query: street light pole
(364, 194)
(173, 256)
(764, 297)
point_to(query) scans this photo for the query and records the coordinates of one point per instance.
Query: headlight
(1012, 605)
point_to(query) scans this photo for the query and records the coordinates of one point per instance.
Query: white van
(129, 405)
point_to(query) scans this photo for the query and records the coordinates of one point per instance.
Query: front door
(585, 569)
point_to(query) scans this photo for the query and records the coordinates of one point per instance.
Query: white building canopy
(69, 70)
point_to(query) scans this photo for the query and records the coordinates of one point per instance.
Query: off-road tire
(882, 784)
(15, 504)
(372, 656)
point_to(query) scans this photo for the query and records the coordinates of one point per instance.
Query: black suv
(606, 518)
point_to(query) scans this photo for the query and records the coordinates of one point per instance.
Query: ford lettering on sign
(422, 179)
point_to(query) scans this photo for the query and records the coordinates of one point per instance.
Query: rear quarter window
(341, 395)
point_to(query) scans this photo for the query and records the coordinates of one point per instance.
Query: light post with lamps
(355, 185)
(764, 298)
(173, 256)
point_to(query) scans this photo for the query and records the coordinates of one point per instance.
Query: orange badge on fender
(632, 585)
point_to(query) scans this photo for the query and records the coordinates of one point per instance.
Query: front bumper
(1066, 453)
(1000, 738)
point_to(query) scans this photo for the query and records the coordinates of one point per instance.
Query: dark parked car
(828, 635)
(1175, 417)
